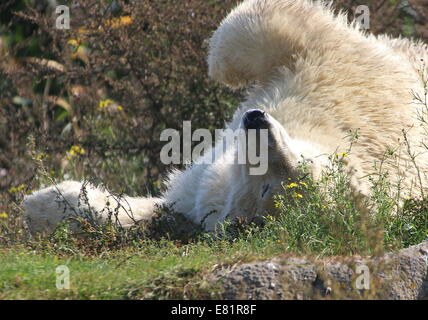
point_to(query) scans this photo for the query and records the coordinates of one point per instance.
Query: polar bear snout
(255, 119)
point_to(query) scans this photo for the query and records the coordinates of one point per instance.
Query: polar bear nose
(255, 119)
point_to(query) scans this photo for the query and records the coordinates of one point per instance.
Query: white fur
(318, 78)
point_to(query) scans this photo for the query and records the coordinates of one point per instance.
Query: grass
(316, 219)
(157, 270)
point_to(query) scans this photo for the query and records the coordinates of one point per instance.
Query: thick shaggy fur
(318, 78)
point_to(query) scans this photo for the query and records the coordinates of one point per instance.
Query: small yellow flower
(269, 217)
(80, 52)
(113, 23)
(75, 151)
(119, 22)
(341, 155)
(292, 185)
(4, 215)
(105, 103)
(297, 195)
(304, 184)
(119, 108)
(41, 156)
(74, 42)
(17, 188)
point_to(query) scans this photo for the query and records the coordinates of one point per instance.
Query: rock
(399, 275)
(253, 281)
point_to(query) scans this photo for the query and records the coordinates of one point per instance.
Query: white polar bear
(315, 78)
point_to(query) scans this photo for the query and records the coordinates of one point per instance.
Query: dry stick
(50, 64)
(45, 105)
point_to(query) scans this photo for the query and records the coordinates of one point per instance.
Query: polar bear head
(253, 194)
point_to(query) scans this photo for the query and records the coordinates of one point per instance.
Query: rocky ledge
(398, 275)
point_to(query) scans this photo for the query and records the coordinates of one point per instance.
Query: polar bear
(313, 78)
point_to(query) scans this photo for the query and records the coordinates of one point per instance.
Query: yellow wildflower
(304, 184)
(105, 103)
(80, 52)
(17, 188)
(41, 156)
(119, 108)
(297, 195)
(4, 215)
(113, 23)
(341, 155)
(119, 22)
(74, 42)
(292, 185)
(75, 151)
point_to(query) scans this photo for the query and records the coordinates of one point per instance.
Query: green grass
(163, 269)
(314, 219)
(153, 271)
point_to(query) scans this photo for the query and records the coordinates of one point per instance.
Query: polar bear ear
(260, 35)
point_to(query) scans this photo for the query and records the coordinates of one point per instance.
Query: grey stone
(397, 275)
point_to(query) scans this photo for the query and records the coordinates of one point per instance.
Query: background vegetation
(90, 103)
